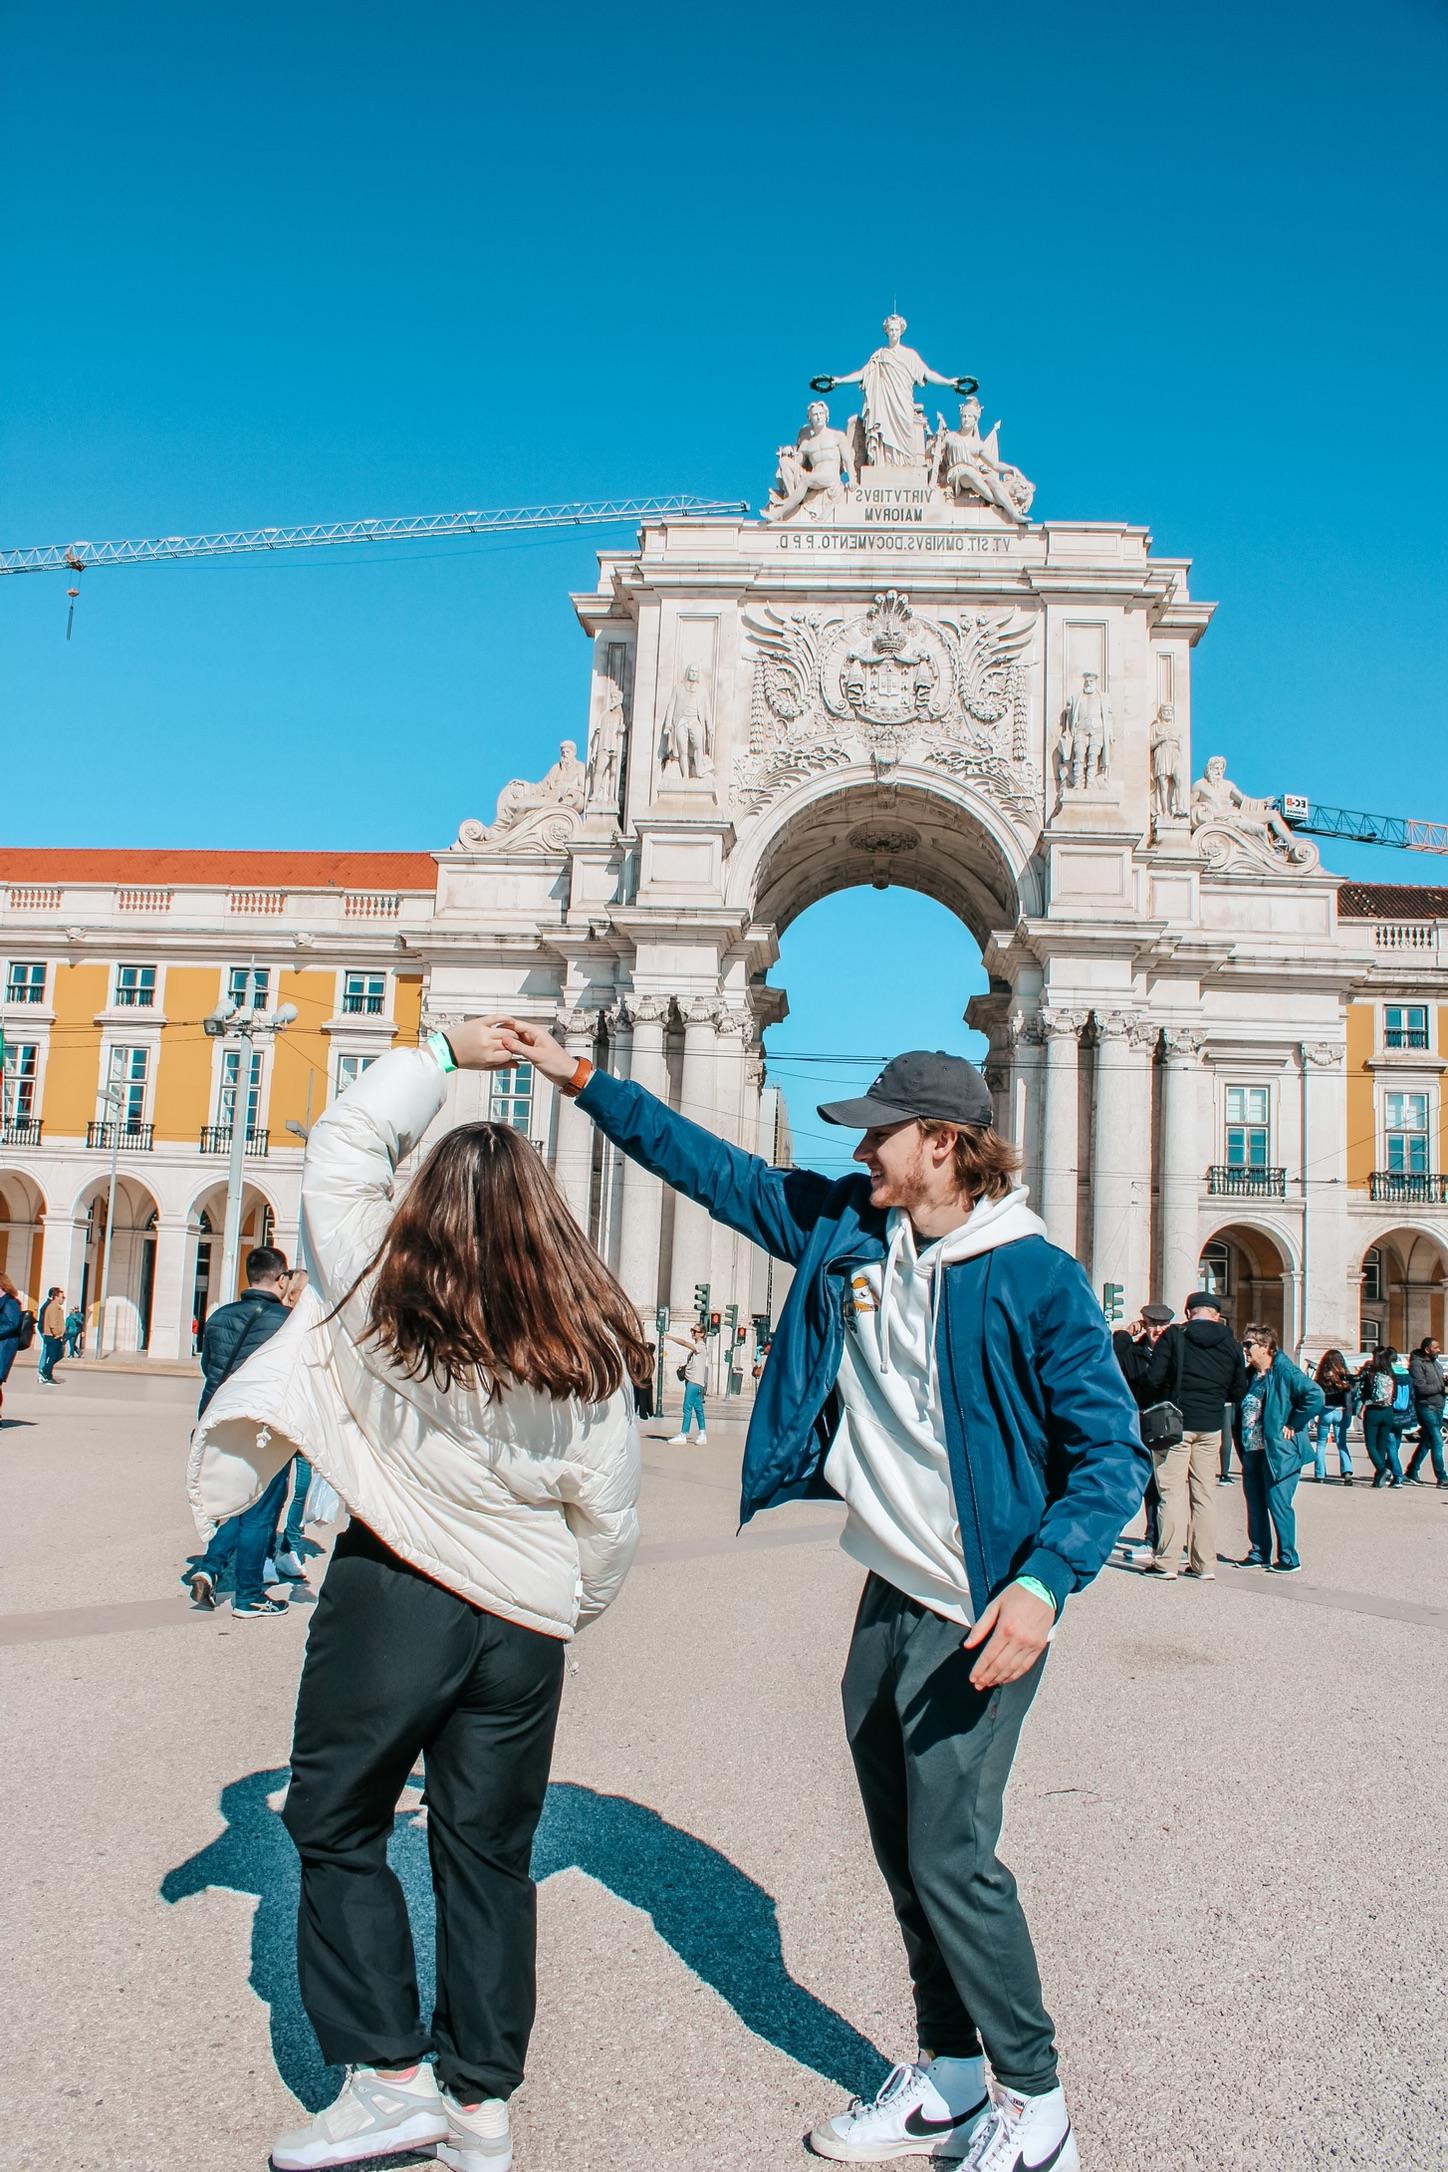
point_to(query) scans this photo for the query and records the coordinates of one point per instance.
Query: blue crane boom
(1407, 832)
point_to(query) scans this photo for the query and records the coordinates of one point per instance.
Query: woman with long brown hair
(461, 1371)
(12, 1326)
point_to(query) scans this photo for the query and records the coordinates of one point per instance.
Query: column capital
(1111, 1025)
(734, 1022)
(1059, 1025)
(575, 1023)
(1183, 1044)
(645, 1010)
(699, 1010)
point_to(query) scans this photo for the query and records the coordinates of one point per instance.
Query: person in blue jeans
(1425, 1377)
(695, 1371)
(1387, 1413)
(1340, 1398)
(1279, 1404)
(243, 1543)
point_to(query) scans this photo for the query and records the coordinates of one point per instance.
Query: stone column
(1060, 1170)
(730, 1254)
(641, 1209)
(1121, 1155)
(698, 1100)
(573, 1133)
(1023, 1097)
(171, 1291)
(1332, 1254)
(1182, 1163)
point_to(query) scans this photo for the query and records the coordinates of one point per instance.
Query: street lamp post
(239, 1028)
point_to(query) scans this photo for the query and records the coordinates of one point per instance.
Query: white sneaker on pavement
(479, 2139)
(289, 1570)
(676, 1440)
(373, 2117)
(702, 1439)
(1025, 2134)
(910, 2117)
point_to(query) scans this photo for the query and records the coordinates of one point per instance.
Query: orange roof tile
(232, 870)
(1392, 901)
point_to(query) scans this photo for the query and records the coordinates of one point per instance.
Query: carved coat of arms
(954, 686)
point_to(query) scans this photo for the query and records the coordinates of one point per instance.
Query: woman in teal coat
(1280, 1403)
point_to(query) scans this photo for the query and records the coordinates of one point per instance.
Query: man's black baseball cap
(926, 1082)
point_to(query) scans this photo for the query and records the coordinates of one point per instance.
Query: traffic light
(1113, 1300)
(713, 1323)
(731, 1320)
(701, 1299)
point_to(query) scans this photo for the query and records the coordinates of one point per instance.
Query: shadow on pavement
(718, 1921)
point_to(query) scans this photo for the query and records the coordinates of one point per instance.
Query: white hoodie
(888, 1459)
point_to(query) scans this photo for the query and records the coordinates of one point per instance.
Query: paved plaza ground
(1227, 1820)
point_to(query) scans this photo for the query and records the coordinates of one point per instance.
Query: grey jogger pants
(932, 1756)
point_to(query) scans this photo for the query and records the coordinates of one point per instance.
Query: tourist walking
(74, 1331)
(244, 1545)
(1425, 1377)
(1279, 1402)
(946, 1371)
(1339, 1396)
(1134, 1345)
(1198, 1366)
(461, 1373)
(694, 1372)
(12, 1329)
(1387, 1396)
(52, 1333)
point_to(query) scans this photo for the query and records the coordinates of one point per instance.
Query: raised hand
(480, 1044)
(528, 1043)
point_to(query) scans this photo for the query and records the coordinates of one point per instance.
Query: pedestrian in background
(1387, 1394)
(247, 1542)
(1135, 1345)
(1425, 1377)
(1279, 1402)
(463, 1376)
(52, 1333)
(1339, 1396)
(12, 1328)
(694, 1372)
(1197, 1366)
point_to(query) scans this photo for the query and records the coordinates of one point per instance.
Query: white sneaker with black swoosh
(910, 2117)
(1025, 2134)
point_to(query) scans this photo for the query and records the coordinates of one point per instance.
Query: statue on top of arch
(892, 426)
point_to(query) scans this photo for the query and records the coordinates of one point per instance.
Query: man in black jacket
(1135, 1346)
(233, 1332)
(1198, 1366)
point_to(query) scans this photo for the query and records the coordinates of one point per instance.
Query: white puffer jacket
(525, 1506)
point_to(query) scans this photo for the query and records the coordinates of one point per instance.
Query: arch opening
(1248, 1271)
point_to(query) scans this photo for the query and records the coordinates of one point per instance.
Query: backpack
(1385, 1388)
(27, 1331)
(1402, 1392)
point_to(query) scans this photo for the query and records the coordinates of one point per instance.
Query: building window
(1406, 1127)
(1248, 1132)
(135, 987)
(511, 1101)
(226, 1092)
(350, 1069)
(1215, 1276)
(362, 994)
(1407, 1025)
(1371, 1332)
(1373, 1276)
(25, 983)
(17, 1084)
(248, 987)
(127, 1077)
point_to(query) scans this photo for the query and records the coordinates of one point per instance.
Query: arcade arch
(130, 1304)
(1253, 1272)
(22, 1230)
(1404, 1282)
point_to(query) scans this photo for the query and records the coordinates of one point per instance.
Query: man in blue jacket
(946, 1372)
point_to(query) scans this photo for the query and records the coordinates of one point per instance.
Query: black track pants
(396, 1665)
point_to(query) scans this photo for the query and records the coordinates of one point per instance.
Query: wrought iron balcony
(216, 1139)
(1405, 1189)
(126, 1138)
(1224, 1182)
(20, 1131)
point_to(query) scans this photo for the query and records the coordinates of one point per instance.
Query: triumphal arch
(897, 674)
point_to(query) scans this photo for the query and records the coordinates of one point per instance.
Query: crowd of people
(1201, 1395)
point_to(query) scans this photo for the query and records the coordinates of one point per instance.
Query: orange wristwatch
(583, 1072)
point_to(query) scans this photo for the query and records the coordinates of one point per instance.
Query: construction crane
(594, 513)
(1406, 832)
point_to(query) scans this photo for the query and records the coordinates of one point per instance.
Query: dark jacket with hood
(1212, 1372)
(233, 1332)
(1426, 1374)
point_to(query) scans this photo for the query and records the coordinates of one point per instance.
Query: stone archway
(1253, 1270)
(130, 1312)
(204, 1246)
(22, 1231)
(1404, 1287)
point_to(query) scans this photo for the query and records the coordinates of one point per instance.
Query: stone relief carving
(1059, 1025)
(819, 466)
(574, 1023)
(1324, 1055)
(645, 1010)
(1167, 794)
(1231, 829)
(687, 741)
(605, 747)
(545, 814)
(884, 837)
(1143, 1034)
(829, 687)
(1182, 1044)
(890, 426)
(1088, 737)
(970, 466)
(1111, 1025)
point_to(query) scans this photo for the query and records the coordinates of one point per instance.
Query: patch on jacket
(862, 1296)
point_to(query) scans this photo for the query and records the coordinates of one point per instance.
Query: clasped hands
(490, 1044)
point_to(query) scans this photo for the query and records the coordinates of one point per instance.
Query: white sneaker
(373, 2117)
(702, 1439)
(676, 1440)
(479, 2139)
(1025, 2134)
(289, 1570)
(909, 2118)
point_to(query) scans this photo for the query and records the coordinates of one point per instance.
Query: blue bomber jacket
(1046, 1461)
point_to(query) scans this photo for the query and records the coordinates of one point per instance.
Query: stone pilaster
(641, 1208)
(573, 1133)
(1121, 1154)
(1060, 1124)
(698, 1100)
(1183, 1162)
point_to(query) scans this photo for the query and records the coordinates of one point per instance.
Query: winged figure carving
(984, 653)
(786, 669)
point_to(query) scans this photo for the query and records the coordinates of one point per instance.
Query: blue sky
(283, 263)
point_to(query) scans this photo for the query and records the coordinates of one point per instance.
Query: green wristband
(441, 1047)
(1037, 1590)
